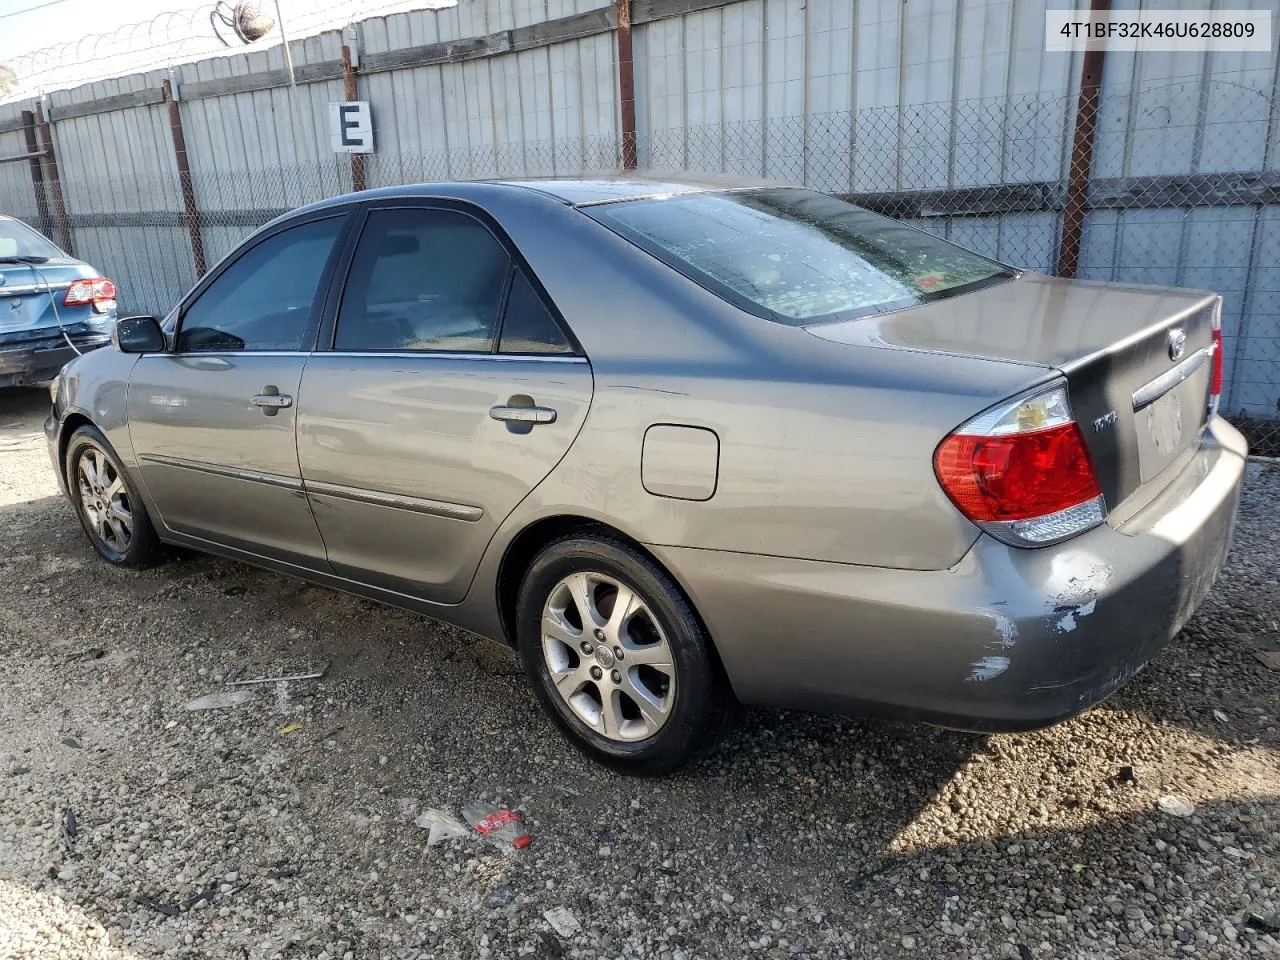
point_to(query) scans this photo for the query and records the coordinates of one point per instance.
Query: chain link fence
(1183, 189)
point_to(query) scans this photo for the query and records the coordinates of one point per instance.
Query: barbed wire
(180, 35)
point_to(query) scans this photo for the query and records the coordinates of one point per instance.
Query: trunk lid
(1137, 360)
(25, 309)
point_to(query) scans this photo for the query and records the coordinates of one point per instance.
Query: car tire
(112, 514)
(661, 704)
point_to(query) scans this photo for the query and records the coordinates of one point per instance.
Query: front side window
(795, 256)
(19, 240)
(264, 300)
(423, 280)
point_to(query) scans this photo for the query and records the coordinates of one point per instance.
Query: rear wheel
(110, 511)
(618, 658)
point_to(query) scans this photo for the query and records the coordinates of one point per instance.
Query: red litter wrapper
(497, 822)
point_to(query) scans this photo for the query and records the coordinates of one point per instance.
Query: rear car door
(213, 420)
(451, 389)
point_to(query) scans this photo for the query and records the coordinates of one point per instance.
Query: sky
(41, 25)
(82, 40)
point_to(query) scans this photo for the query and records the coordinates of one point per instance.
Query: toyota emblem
(1177, 343)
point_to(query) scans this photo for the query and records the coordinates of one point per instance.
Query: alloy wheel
(105, 500)
(608, 657)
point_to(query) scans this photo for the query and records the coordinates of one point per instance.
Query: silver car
(682, 446)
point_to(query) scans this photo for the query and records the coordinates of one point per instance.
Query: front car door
(213, 420)
(450, 391)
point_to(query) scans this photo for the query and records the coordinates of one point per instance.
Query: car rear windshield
(796, 256)
(19, 240)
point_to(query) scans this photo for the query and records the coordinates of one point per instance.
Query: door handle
(271, 400)
(523, 414)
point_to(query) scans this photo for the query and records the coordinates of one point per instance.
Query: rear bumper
(1008, 639)
(35, 362)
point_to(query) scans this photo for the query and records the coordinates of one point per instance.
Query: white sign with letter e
(351, 127)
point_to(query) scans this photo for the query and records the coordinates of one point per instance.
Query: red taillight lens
(1022, 471)
(90, 290)
(1016, 476)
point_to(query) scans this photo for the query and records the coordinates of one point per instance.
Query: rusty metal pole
(349, 91)
(190, 210)
(1074, 207)
(55, 181)
(37, 173)
(626, 85)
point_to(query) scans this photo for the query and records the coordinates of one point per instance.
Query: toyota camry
(682, 446)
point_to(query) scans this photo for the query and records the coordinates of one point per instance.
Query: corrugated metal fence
(947, 114)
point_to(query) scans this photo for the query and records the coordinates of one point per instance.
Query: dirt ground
(284, 827)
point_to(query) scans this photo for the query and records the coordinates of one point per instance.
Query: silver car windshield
(19, 240)
(796, 256)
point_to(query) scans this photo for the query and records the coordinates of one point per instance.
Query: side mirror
(138, 335)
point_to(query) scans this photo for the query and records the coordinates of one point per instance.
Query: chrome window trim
(400, 354)
(443, 355)
(196, 354)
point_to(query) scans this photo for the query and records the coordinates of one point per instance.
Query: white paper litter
(442, 824)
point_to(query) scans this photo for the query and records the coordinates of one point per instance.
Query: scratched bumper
(37, 361)
(1008, 639)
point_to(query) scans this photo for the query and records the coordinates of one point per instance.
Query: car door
(450, 390)
(213, 420)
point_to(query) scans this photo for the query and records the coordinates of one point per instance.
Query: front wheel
(618, 658)
(109, 509)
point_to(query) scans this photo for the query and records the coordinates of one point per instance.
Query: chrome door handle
(273, 401)
(523, 414)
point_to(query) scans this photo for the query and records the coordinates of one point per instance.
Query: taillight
(1215, 381)
(1022, 472)
(93, 290)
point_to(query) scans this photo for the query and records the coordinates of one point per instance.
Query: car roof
(582, 191)
(572, 191)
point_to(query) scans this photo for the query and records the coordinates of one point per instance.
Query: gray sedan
(682, 446)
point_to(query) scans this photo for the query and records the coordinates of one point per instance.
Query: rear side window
(795, 256)
(527, 324)
(423, 280)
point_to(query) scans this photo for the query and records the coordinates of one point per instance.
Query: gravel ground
(804, 836)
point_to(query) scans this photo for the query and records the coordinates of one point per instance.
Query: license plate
(1162, 426)
(14, 313)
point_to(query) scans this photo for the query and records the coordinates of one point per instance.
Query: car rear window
(19, 240)
(798, 257)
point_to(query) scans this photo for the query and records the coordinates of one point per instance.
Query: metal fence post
(626, 85)
(37, 173)
(351, 93)
(191, 212)
(1081, 164)
(55, 181)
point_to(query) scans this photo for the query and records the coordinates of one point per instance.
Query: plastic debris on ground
(1269, 925)
(220, 701)
(291, 728)
(284, 674)
(562, 921)
(442, 824)
(1268, 658)
(1176, 806)
(498, 823)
